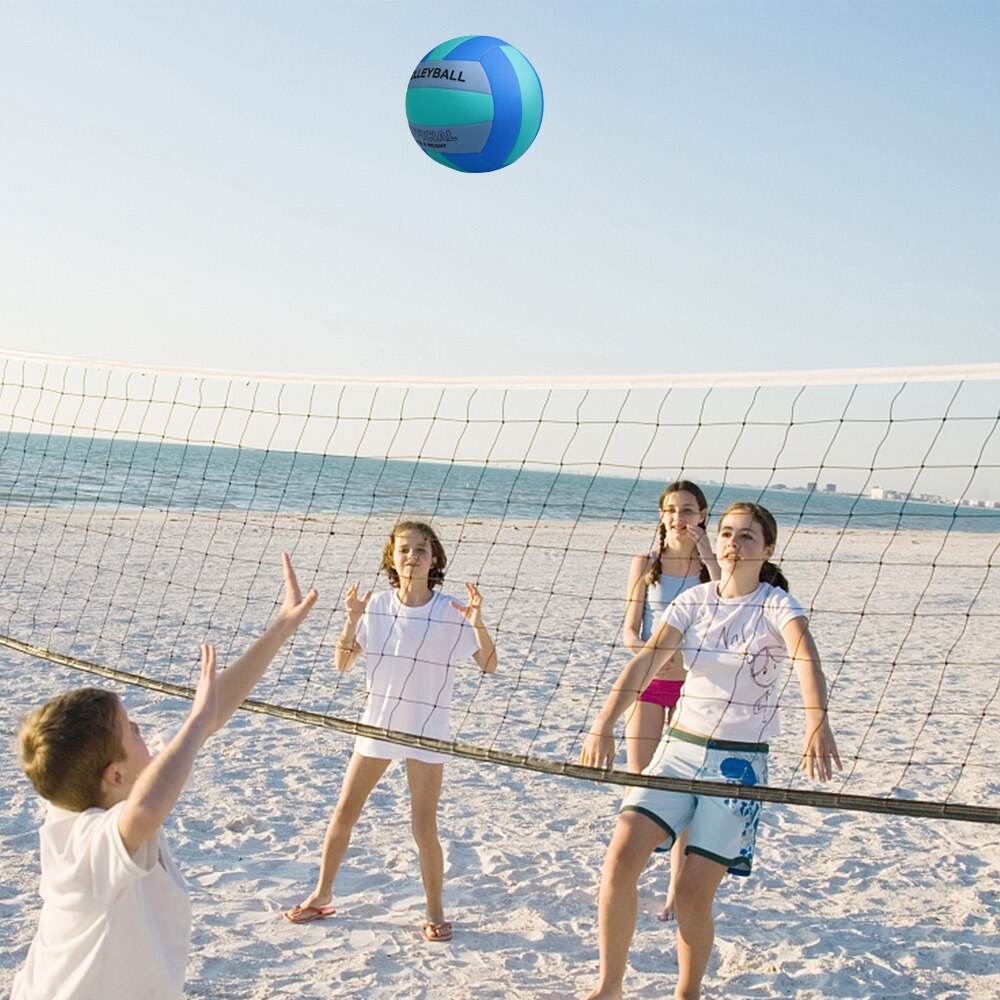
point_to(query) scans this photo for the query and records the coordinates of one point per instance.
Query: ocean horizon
(39, 470)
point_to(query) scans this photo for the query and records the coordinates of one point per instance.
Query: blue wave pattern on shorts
(740, 771)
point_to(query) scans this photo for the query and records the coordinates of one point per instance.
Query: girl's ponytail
(770, 573)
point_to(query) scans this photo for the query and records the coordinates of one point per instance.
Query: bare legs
(695, 894)
(425, 792)
(363, 774)
(643, 731)
(633, 842)
(361, 777)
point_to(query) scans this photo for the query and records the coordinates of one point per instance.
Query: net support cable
(760, 793)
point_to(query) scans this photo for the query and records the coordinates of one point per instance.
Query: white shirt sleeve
(94, 860)
(781, 608)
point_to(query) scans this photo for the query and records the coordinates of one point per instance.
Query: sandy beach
(840, 904)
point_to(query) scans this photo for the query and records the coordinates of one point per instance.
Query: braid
(656, 570)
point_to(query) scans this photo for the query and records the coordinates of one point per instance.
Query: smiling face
(679, 511)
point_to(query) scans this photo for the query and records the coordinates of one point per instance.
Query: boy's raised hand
(237, 681)
(295, 606)
(205, 705)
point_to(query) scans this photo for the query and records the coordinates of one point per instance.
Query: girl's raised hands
(473, 611)
(354, 605)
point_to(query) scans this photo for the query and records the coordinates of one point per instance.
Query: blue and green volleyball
(474, 104)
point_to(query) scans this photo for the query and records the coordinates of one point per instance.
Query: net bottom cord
(761, 793)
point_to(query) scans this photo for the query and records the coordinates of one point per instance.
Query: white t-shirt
(112, 927)
(734, 655)
(410, 657)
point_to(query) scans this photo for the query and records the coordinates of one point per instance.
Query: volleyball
(474, 104)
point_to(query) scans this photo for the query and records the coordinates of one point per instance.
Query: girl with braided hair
(682, 559)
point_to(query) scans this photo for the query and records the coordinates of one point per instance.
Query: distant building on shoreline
(879, 493)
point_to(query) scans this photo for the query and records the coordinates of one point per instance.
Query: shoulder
(69, 824)
(380, 600)
(440, 605)
(85, 858)
(700, 593)
(82, 834)
(641, 564)
(781, 604)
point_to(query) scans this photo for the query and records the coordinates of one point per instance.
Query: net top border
(792, 377)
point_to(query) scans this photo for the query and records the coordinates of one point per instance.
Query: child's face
(741, 543)
(412, 555)
(679, 512)
(137, 755)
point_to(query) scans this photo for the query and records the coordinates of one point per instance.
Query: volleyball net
(145, 510)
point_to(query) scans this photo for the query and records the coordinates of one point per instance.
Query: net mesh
(145, 512)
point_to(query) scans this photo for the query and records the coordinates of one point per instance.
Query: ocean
(63, 471)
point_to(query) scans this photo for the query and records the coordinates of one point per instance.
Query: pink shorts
(664, 693)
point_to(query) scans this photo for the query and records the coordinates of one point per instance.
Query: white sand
(840, 904)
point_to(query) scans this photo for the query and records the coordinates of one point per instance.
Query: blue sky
(715, 187)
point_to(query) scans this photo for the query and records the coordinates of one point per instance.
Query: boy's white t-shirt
(410, 657)
(735, 658)
(112, 927)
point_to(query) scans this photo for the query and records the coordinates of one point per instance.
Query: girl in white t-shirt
(412, 637)
(736, 637)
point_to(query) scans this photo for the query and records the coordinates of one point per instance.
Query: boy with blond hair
(116, 918)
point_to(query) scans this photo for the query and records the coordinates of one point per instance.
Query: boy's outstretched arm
(158, 787)
(236, 682)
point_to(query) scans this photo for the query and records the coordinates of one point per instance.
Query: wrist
(602, 726)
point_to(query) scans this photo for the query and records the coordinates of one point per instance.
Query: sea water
(57, 471)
